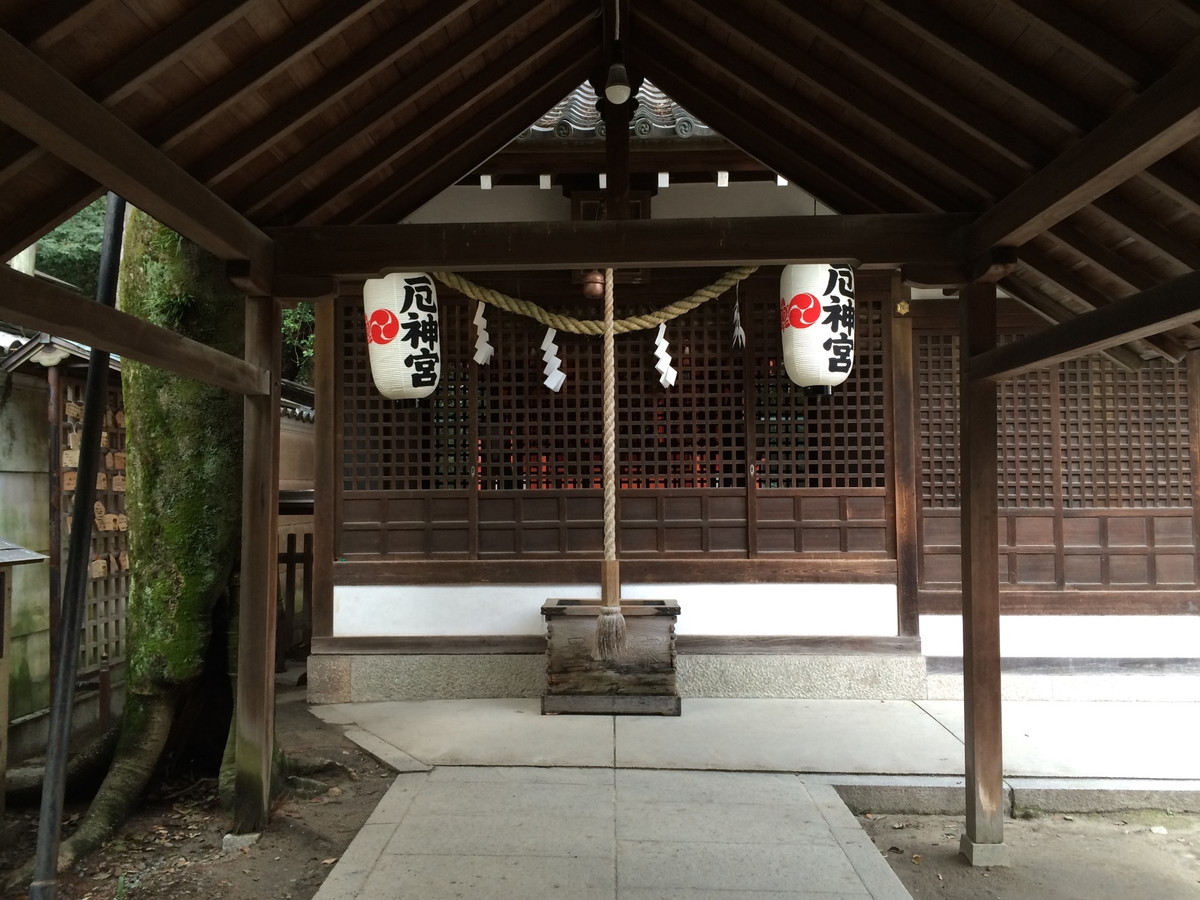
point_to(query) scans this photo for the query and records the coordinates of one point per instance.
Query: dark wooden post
(983, 843)
(905, 477)
(260, 550)
(328, 414)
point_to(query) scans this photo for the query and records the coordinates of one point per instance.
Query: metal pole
(45, 872)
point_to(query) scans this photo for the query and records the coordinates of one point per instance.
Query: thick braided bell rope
(609, 392)
(594, 326)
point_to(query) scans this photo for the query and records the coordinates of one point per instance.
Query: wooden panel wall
(1095, 483)
(732, 462)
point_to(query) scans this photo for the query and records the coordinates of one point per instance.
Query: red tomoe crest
(382, 327)
(803, 310)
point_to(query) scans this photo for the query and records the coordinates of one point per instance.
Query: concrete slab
(1093, 740)
(437, 876)
(792, 736)
(487, 732)
(531, 833)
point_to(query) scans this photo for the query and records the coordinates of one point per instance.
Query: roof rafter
(39, 102)
(911, 188)
(1140, 315)
(202, 106)
(410, 89)
(1163, 117)
(412, 187)
(833, 187)
(773, 46)
(475, 100)
(937, 98)
(288, 116)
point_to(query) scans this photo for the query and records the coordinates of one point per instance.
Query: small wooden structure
(641, 682)
(10, 555)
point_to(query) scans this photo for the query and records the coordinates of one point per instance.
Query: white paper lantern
(402, 334)
(816, 311)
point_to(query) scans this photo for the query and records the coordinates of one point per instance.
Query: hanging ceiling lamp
(402, 334)
(816, 310)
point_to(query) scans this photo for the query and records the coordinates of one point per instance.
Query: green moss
(184, 462)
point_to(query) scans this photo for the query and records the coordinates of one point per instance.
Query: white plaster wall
(510, 203)
(1074, 636)
(759, 609)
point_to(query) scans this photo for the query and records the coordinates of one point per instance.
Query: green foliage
(299, 328)
(72, 250)
(185, 441)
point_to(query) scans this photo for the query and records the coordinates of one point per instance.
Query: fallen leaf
(1158, 829)
(894, 850)
(916, 858)
(1068, 818)
(330, 861)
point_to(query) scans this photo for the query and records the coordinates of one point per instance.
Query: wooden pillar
(255, 709)
(983, 843)
(325, 481)
(904, 477)
(1193, 394)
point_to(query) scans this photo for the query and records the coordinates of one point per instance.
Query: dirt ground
(173, 847)
(1134, 855)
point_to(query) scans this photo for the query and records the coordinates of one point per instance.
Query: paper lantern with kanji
(402, 334)
(816, 309)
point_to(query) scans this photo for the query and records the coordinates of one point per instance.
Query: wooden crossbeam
(47, 108)
(45, 307)
(365, 251)
(1163, 117)
(1140, 315)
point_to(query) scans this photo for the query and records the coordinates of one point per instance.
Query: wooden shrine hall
(1016, 185)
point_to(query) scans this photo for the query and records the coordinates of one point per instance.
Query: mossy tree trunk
(184, 505)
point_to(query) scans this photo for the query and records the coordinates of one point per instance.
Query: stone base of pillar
(983, 854)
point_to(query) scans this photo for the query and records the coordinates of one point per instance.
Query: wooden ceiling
(1064, 128)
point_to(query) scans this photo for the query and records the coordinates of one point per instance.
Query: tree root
(144, 730)
(85, 772)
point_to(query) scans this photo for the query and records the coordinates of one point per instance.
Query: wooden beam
(35, 304)
(1163, 117)
(1054, 312)
(983, 842)
(429, 76)
(365, 251)
(286, 117)
(415, 185)
(1140, 315)
(47, 108)
(254, 747)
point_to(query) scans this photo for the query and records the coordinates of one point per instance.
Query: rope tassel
(610, 624)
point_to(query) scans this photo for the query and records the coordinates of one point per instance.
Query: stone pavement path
(579, 833)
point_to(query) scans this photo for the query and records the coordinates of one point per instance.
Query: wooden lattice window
(395, 445)
(1125, 434)
(819, 442)
(104, 618)
(937, 365)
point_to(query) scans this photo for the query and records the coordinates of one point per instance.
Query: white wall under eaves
(677, 201)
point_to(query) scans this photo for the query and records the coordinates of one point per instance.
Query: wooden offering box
(641, 682)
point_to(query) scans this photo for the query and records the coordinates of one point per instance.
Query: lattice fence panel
(827, 442)
(1124, 434)
(104, 622)
(1026, 469)
(407, 444)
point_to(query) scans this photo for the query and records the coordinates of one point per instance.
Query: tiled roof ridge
(576, 116)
